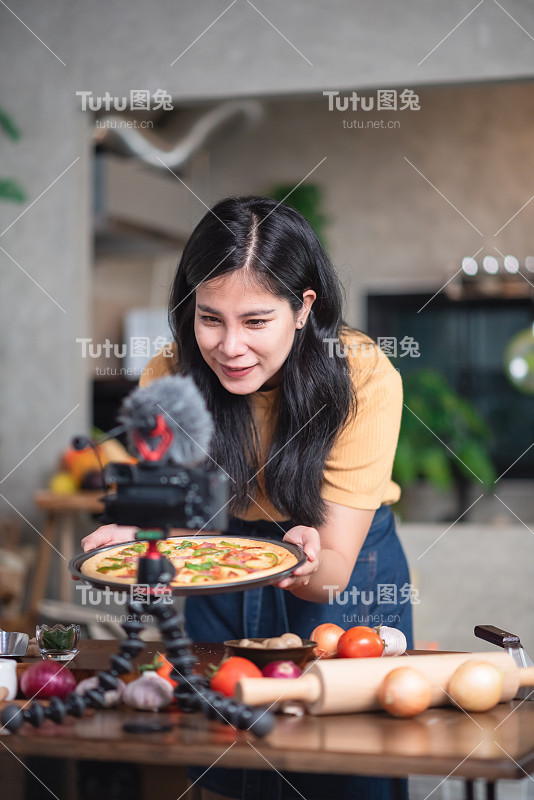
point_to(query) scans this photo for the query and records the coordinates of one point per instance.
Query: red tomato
(360, 642)
(230, 672)
(165, 670)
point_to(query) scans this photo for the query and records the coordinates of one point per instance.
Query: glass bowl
(58, 642)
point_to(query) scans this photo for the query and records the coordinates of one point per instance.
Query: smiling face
(245, 332)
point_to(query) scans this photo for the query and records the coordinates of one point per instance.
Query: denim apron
(378, 592)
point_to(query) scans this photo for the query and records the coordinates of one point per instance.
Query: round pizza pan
(75, 567)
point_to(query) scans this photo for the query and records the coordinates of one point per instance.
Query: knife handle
(496, 636)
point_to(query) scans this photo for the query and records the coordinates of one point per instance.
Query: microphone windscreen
(184, 411)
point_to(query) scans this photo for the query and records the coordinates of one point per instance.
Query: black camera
(155, 495)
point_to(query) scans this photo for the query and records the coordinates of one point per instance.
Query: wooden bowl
(265, 655)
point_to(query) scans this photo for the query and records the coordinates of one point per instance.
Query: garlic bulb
(111, 698)
(394, 641)
(148, 693)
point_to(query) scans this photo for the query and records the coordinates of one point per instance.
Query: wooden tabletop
(496, 745)
(90, 501)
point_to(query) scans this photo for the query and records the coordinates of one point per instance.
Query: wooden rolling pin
(346, 685)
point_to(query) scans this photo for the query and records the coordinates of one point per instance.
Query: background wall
(474, 143)
(388, 225)
(49, 53)
(470, 575)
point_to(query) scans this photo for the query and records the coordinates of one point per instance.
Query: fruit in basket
(63, 483)
(360, 642)
(92, 481)
(476, 686)
(79, 463)
(405, 692)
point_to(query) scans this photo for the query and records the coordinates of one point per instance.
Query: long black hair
(283, 254)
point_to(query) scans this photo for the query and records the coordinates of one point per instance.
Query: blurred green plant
(10, 189)
(307, 200)
(452, 418)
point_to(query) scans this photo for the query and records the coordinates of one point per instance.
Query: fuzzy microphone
(168, 421)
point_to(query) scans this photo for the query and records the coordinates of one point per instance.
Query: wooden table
(496, 745)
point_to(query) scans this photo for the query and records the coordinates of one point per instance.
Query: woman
(306, 416)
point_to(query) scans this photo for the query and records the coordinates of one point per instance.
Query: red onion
(281, 669)
(47, 679)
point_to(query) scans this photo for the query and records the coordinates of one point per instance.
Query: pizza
(197, 561)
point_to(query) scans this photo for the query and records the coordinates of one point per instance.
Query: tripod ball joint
(132, 627)
(95, 697)
(131, 647)
(192, 691)
(12, 716)
(75, 705)
(164, 612)
(121, 663)
(259, 722)
(215, 705)
(56, 711)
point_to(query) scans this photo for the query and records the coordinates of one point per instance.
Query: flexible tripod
(192, 691)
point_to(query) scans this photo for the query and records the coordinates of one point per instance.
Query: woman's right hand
(109, 534)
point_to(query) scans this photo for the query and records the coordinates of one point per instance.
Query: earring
(300, 323)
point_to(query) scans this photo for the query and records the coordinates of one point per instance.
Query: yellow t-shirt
(358, 468)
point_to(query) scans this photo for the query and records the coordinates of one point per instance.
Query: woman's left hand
(309, 540)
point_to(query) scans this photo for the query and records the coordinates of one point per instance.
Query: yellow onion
(327, 636)
(476, 686)
(404, 692)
